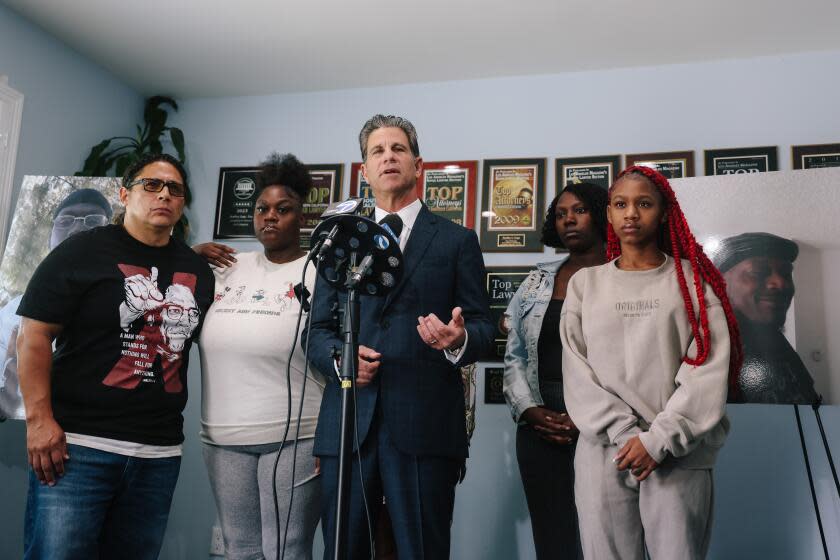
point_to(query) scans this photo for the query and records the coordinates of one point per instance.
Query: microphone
(393, 224)
(345, 207)
(362, 270)
(324, 244)
(349, 206)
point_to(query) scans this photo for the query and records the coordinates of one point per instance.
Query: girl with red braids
(650, 345)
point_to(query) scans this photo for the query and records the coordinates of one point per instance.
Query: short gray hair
(388, 121)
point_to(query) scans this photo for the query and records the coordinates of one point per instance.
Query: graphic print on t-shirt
(169, 321)
(227, 301)
(282, 298)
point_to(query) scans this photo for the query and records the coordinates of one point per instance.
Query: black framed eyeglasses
(174, 312)
(151, 184)
(90, 221)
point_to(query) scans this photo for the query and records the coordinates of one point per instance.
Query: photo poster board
(512, 207)
(326, 189)
(49, 209)
(501, 283)
(788, 313)
(448, 188)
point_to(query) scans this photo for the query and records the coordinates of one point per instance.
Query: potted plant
(114, 155)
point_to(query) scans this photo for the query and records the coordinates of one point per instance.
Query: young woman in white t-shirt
(246, 341)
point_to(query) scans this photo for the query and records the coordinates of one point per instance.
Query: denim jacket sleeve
(516, 386)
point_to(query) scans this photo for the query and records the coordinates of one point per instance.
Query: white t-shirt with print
(245, 345)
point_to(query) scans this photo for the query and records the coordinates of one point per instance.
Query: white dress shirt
(408, 215)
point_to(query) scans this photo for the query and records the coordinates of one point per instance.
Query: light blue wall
(763, 502)
(69, 105)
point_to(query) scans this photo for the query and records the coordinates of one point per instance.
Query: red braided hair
(680, 242)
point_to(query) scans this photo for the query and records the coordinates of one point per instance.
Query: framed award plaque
(494, 382)
(235, 203)
(513, 196)
(815, 156)
(326, 188)
(501, 283)
(448, 190)
(600, 170)
(741, 160)
(674, 165)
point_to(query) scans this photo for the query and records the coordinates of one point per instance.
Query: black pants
(547, 471)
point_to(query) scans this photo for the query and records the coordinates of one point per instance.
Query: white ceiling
(209, 48)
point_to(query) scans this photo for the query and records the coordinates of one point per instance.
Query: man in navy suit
(412, 440)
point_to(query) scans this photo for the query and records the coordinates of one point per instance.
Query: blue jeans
(105, 506)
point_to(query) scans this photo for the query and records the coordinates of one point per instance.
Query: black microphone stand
(376, 274)
(816, 407)
(349, 366)
(811, 481)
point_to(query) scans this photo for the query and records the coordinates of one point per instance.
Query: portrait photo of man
(81, 210)
(758, 269)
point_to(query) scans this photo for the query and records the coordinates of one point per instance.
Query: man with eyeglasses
(152, 184)
(81, 210)
(104, 411)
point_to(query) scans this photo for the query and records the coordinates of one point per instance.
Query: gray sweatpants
(241, 480)
(669, 513)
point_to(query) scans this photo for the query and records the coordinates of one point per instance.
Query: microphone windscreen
(394, 224)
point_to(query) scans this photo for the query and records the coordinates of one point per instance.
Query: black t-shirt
(130, 312)
(549, 345)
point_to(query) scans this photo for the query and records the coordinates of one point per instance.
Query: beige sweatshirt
(624, 336)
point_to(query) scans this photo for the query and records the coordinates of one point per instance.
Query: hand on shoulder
(216, 254)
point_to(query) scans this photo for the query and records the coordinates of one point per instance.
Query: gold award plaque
(512, 199)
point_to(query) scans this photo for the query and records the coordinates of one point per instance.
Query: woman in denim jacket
(533, 381)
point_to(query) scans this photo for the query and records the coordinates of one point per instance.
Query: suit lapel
(421, 236)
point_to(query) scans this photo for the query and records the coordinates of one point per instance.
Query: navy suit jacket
(419, 391)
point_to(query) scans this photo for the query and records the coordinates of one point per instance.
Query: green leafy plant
(114, 155)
